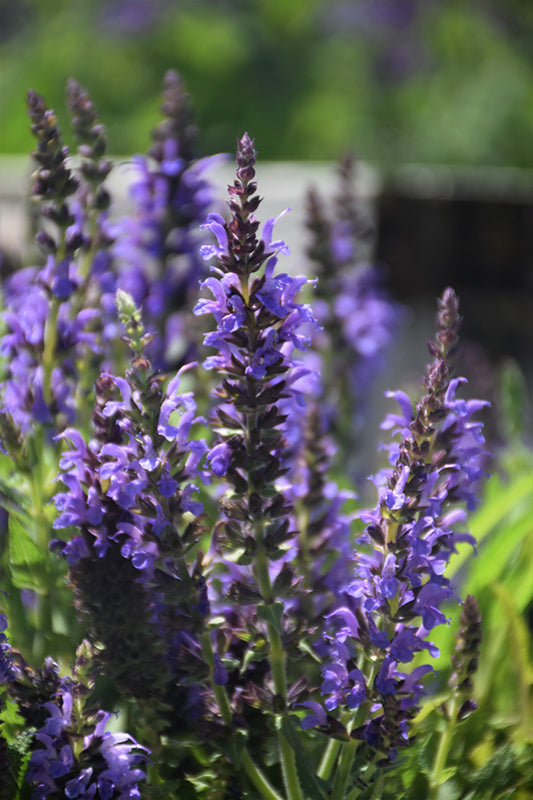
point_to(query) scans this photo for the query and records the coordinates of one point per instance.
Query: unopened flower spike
(92, 200)
(465, 657)
(53, 180)
(92, 144)
(131, 317)
(461, 702)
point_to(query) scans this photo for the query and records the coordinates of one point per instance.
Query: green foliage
(314, 787)
(446, 83)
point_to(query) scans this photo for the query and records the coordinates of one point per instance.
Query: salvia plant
(195, 603)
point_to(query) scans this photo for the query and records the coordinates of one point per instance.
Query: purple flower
(317, 717)
(7, 665)
(157, 249)
(49, 331)
(400, 585)
(259, 324)
(358, 320)
(112, 762)
(130, 493)
(219, 458)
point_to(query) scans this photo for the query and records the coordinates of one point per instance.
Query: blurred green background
(436, 81)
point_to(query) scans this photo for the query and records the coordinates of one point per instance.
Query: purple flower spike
(358, 319)
(108, 765)
(259, 324)
(130, 493)
(400, 585)
(157, 250)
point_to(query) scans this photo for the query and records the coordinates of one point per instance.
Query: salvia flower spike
(259, 325)
(400, 583)
(130, 494)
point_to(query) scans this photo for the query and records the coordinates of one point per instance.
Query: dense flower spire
(400, 583)
(130, 496)
(53, 313)
(92, 201)
(259, 325)
(357, 316)
(157, 249)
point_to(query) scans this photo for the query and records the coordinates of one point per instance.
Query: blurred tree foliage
(440, 81)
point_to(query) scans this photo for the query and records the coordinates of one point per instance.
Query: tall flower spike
(52, 313)
(53, 180)
(157, 249)
(131, 497)
(400, 583)
(259, 324)
(92, 200)
(466, 655)
(324, 544)
(357, 316)
(92, 144)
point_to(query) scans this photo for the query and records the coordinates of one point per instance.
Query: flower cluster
(157, 249)
(259, 325)
(210, 557)
(254, 581)
(400, 584)
(107, 765)
(52, 313)
(73, 755)
(358, 318)
(131, 497)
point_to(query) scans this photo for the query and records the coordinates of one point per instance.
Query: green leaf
(446, 775)
(26, 559)
(501, 502)
(449, 790)
(271, 613)
(519, 634)
(233, 746)
(312, 786)
(498, 773)
(425, 757)
(492, 563)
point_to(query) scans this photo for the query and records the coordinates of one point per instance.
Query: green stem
(378, 786)
(37, 481)
(50, 329)
(50, 335)
(345, 761)
(443, 749)
(329, 759)
(251, 769)
(219, 691)
(277, 663)
(288, 765)
(258, 779)
(344, 769)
